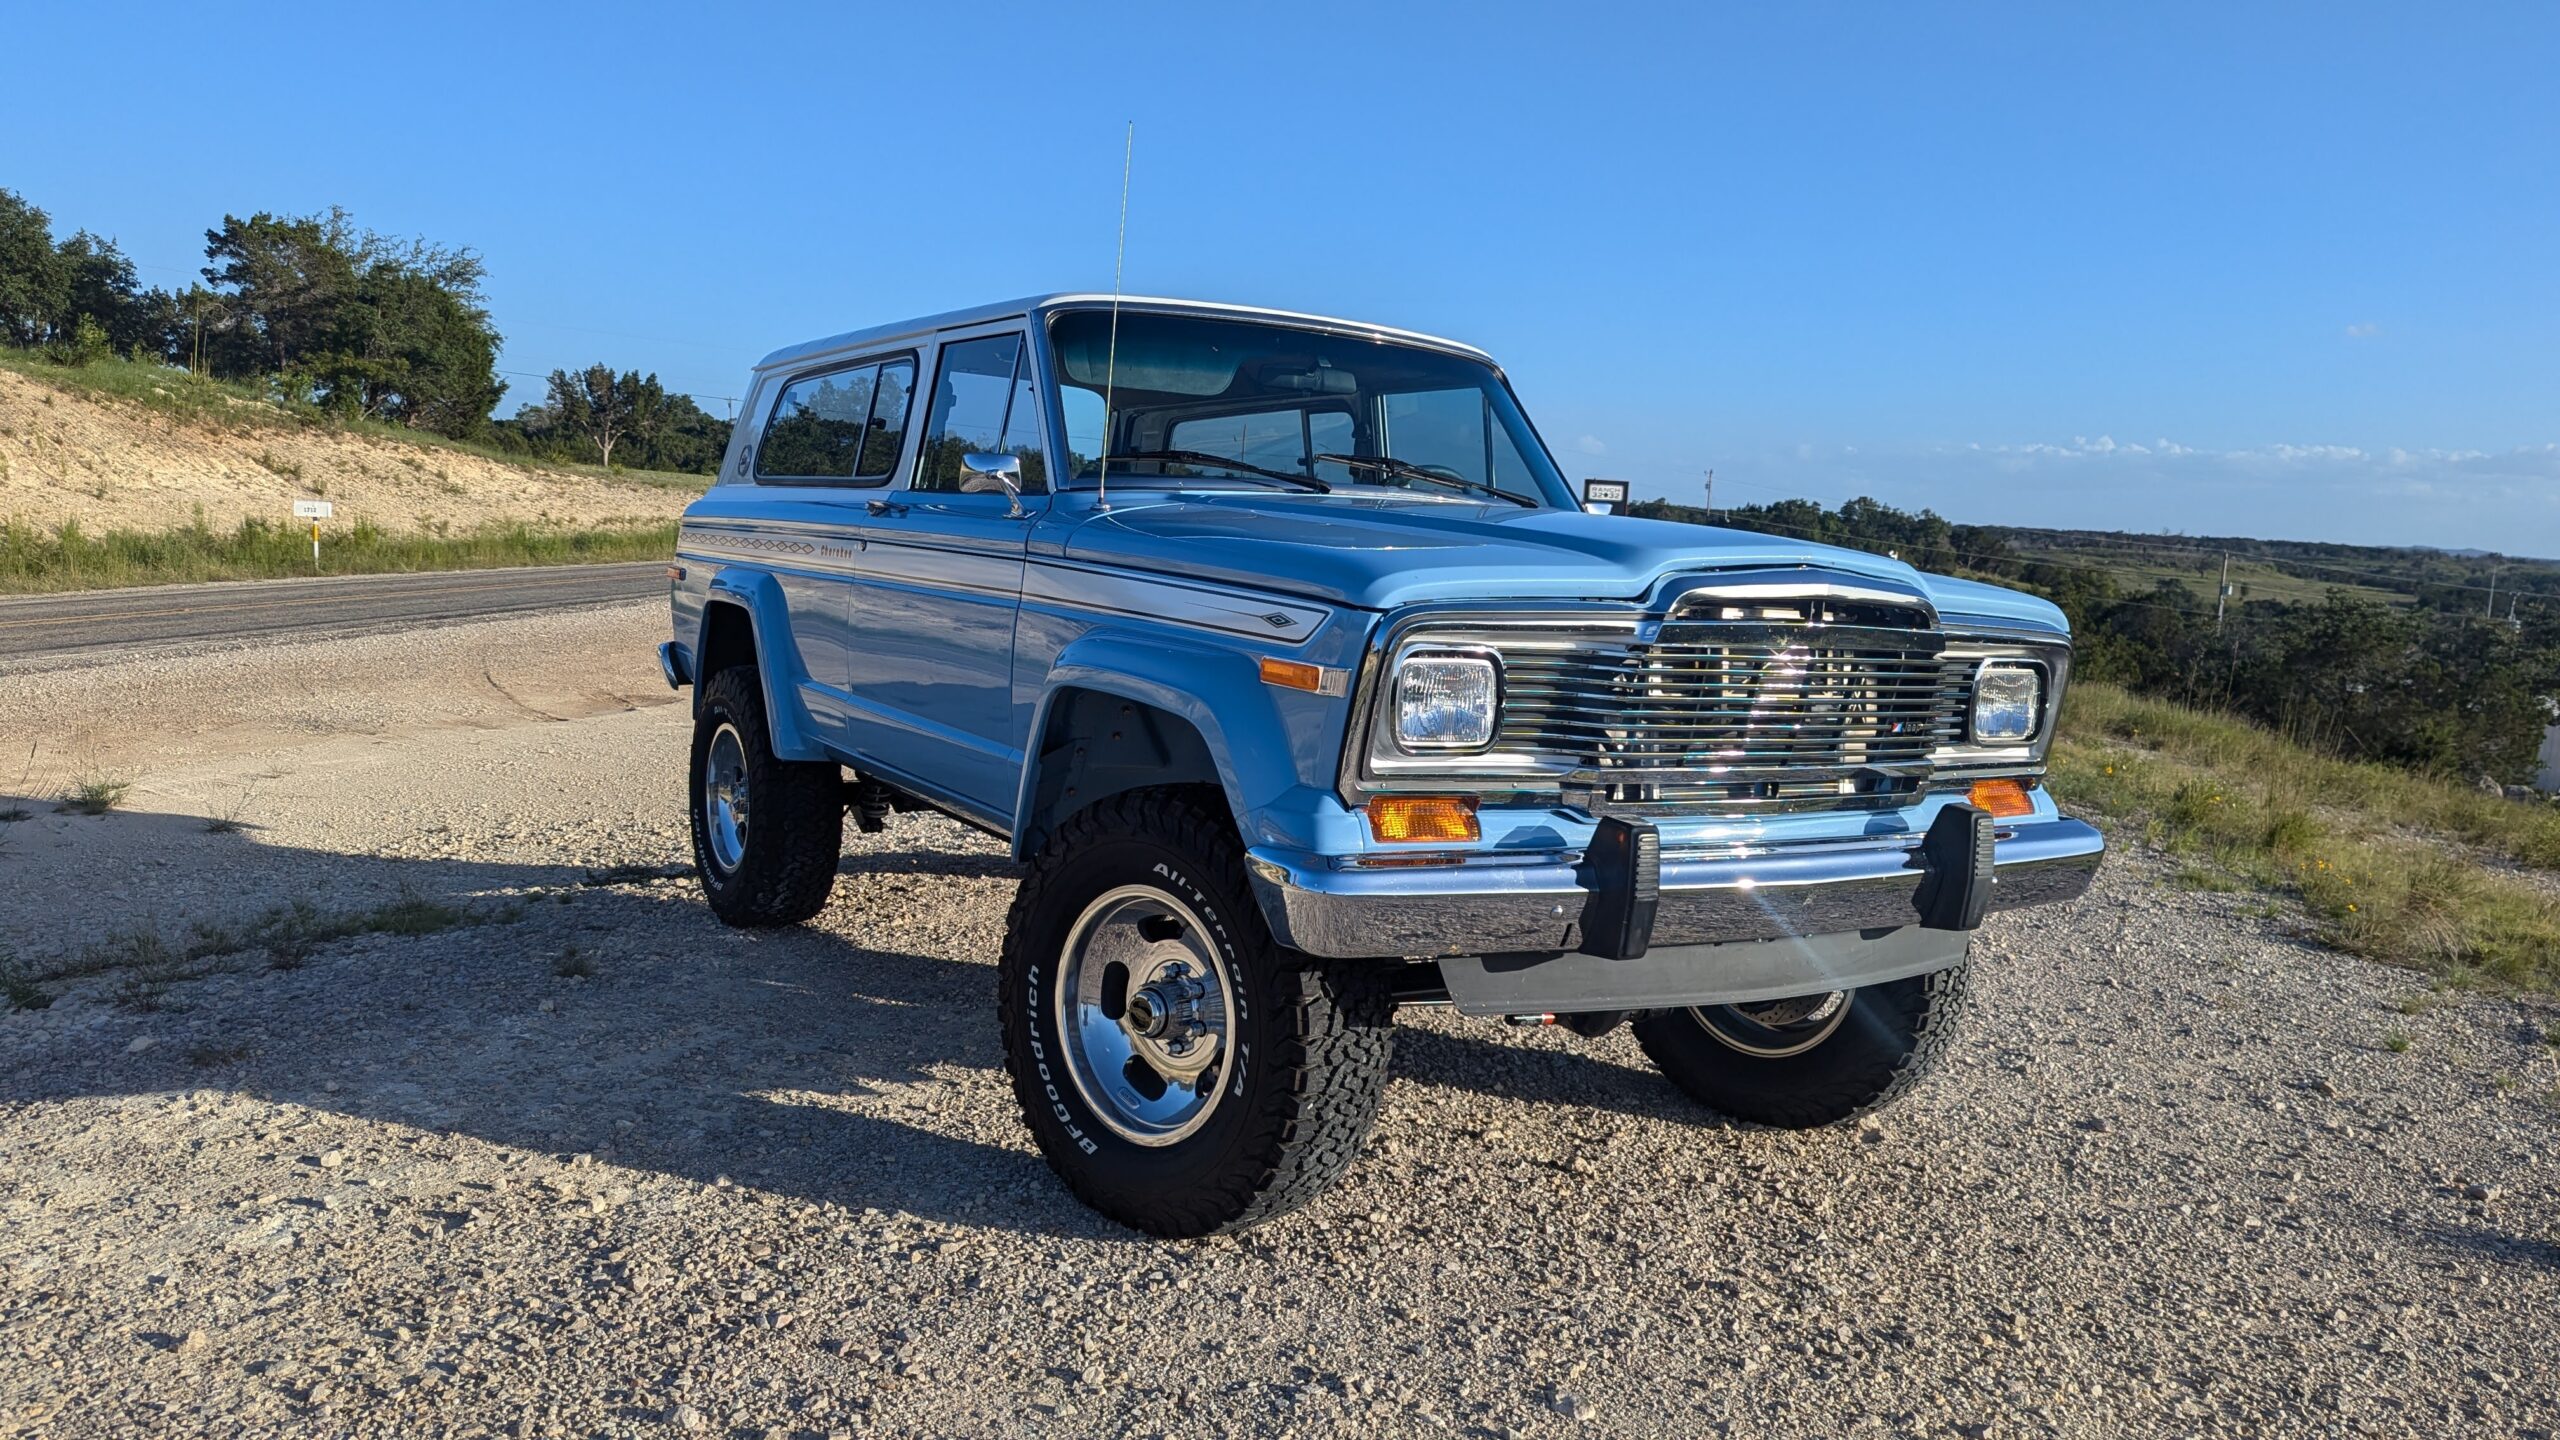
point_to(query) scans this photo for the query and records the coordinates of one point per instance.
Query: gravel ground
(588, 1164)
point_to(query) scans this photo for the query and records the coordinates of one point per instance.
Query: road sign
(1604, 497)
(312, 509)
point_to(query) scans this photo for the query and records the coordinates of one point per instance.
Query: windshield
(1258, 405)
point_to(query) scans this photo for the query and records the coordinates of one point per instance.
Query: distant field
(2137, 569)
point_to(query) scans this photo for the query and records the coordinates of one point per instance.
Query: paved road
(158, 616)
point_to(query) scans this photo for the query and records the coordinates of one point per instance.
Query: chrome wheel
(1775, 1029)
(724, 798)
(1143, 1005)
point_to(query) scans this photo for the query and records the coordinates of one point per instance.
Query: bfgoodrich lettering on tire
(1813, 1060)
(1180, 1071)
(767, 832)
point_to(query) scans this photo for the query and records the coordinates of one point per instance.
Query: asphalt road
(99, 622)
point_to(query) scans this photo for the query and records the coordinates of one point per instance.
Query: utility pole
(1711, 497)
(2492, 611)
(2222, 596)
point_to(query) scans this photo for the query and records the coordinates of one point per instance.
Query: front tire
(1180, 1071)
(767, 832)
(1814, 1060)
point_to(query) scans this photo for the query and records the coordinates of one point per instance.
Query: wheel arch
(743, 622)
(1095, 739)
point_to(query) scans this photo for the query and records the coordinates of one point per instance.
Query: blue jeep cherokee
(1284, 657)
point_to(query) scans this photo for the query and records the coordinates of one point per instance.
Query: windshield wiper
(1203, 457)
(1411, 471)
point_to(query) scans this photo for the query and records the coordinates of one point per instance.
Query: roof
(1010, 309)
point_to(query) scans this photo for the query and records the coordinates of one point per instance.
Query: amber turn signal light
(1292, 674)
(1423, 817)
(2003, 798)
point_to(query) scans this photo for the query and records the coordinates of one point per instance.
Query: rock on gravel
(775, 1181)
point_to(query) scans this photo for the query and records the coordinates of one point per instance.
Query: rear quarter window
(843, 427)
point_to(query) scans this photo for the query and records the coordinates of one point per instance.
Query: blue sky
(2275, 270)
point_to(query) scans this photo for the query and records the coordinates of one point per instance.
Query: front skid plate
(1675, 975)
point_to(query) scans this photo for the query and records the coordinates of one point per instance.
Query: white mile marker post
(314, 511)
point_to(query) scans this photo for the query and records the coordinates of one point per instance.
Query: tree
(597, 404)
(31, 288)
(365, 324)
(98, 283)
(286, 276)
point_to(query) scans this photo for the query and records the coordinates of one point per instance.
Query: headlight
(1447, 702)
(2006, 702)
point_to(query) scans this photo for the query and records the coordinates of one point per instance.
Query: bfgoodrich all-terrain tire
(767, 832)
(1813, 1061)
(1181, 1072)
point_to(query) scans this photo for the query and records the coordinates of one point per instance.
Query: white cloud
(1592, 445)
(2363, 330)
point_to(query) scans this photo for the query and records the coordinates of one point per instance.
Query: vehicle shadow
(573, 1009)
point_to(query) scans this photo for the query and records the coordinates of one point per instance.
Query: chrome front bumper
(1533, 905)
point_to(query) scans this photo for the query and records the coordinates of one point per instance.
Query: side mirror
(983, 473)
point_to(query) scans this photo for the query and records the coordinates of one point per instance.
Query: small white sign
(312, 509)
(1603, 497)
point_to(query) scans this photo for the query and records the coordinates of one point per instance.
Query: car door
(931, 641)
(831, 441)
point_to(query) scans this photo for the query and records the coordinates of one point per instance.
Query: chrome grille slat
(1746, 716)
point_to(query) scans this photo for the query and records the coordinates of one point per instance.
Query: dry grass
(96, 794)
(2385, 864)
(35, 562)
(146, 961)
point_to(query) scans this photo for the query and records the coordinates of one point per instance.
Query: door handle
(884, 507)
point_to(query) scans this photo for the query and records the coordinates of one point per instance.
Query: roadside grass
(34, 562)
(147, 962)
(96, 794)
(183, 397)
(2385, 864)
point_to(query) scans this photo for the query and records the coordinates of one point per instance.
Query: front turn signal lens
(2003, 798)
(1293, 675)
(1423, 817)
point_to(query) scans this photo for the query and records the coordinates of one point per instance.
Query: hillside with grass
(129, 472)
(2371, 859)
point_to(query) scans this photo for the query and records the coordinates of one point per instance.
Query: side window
(1022, 434)
(888, 433)
(817, 427)
(1080, 410)
(969, 399)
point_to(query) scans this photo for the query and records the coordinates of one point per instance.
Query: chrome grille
(1725, 716)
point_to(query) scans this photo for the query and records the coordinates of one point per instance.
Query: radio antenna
(1111, 355)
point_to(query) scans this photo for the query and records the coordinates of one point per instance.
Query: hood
(1382, 554)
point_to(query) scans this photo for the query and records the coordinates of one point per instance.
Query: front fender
(1275, 749)
(777, 660)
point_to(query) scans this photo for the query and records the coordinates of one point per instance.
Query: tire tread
(796, 833)
(1333, 1055)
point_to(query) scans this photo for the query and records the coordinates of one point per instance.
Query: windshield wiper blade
(1411, 471)
(1203, 457)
